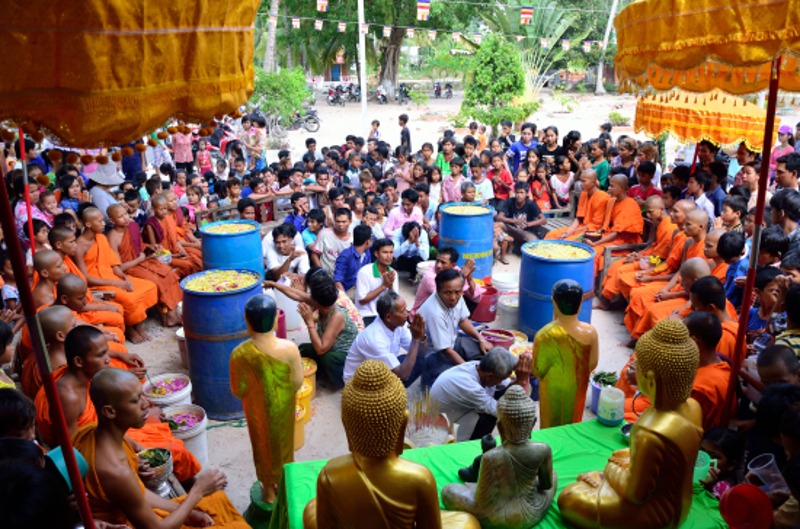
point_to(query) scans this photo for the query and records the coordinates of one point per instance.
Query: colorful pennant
(295, 22)
(477, 38)
(410, 33)
(423, 9)
(318, 24)
(387, 31)
(456, 36)
(544, 41)
(322, 5)
(526, 15)
(432, 34)
(565, 44)
(587, 46)
(342, 27)
(364, 29)
(273, 20)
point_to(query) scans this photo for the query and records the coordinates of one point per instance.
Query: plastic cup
(765, 468)
(701, 466)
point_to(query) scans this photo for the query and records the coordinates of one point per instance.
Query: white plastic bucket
(195, 437)
(184, 396)
(424, 267)
(505, 282)
(180, 335)
(289, 306)
(508, 312)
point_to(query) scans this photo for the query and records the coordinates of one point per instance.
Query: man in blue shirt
(353, 258)
(299, 214)
(519, 150)
(716, 192)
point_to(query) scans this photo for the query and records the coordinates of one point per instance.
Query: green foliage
(459, 121)
(604, 378)
(617, 119)
(418, 96)
(568, 103)
(610, 87)
(281, 93)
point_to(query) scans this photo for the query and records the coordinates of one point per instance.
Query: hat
(107, 174)
(785, 129)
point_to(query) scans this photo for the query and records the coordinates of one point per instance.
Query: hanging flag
(432, 34)
(526, 15)
(565, 44)
(318, 24)
(387, 31)
(520, 37)
(273, 20)
(423, 9)
(322, 5)
(410, 33)
(456, 36)
(477, 38)
(602, 45)
(342, 27)
(544, 42)
(587, 46)
(364, 29)
(295, 22)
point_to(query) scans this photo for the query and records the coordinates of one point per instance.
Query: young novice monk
(185, 235)
(665, 230)
(625, 224)
(102, 267)
(126, 239)
(708, 295)
(160, 229)
(591, 212)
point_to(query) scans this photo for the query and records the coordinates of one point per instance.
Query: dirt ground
(228, 443)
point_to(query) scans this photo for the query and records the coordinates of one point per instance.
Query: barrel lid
(451, 209)
(205, 229)
(186, 279)
(529, 247)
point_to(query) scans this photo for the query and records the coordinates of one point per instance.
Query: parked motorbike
(352, 92)
(402, 96)
(448, 91)
(380, 95)
(335, 96)
(437, 90)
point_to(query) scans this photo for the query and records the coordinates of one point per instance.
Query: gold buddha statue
(372, 487)
(516, 482)
(648, 486)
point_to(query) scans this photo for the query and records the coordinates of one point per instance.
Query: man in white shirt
(384, 339)
(374, 279)
(467, 392)
(696, 191)
(283, 256)
(445, 313)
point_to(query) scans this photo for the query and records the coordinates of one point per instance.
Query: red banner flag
(526, 15)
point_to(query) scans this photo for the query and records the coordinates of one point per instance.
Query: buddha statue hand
(593, 479)
(470, 474)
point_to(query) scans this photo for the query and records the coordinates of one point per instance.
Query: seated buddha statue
(372, 487)
(648, 486)
(516, 482)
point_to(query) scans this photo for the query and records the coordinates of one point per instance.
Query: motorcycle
(448, 91)
(309, 121)
(335, 96)
(437, 90)
(402, 95)
(353, 92)
(380, 95)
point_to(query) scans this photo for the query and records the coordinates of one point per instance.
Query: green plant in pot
(600, 380)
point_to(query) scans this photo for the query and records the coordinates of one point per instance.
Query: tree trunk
(599, 88)
(390, 60)
(270, 59)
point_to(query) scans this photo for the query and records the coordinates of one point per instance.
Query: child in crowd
(764, 323)
(734, 208)
(484, 190)
(9, 291)
(434, 177)
(40, 236)
(540, 187)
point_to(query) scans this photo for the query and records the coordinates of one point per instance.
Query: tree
(496, 80)
(270, 64)
(279, 95)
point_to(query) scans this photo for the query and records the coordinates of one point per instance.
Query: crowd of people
(346, 222)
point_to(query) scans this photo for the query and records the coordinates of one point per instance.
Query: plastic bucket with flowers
(188, 423)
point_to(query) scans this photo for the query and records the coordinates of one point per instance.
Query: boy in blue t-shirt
(316, 220)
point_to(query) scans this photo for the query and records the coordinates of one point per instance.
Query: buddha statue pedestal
(259, 512)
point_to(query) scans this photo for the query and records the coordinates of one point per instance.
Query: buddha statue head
(261, 314)
(516, 415)
(567, 297)
(667, 360)
(374, 411)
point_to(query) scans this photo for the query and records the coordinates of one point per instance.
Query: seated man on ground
(384, 338)
(446, 260)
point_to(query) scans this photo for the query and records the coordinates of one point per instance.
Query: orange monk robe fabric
(216, 505)
(622, 381)
(591, 211)
(627, 221)
(180, 229)
(153, 270)
(719, 271)
(660, 248)
(710, 389)
(627, 281)
(31, 380)
(96, 317)
(151, 435)
(661, 310)
(644, 296)
(100, 260)
(727, 345)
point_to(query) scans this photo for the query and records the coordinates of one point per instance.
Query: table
(577, 448)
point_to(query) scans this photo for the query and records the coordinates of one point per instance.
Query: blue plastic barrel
(472, 234)
(214, 325)
(233, 251)
(537, 277)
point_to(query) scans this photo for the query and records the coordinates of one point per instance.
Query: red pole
(23, 155)
(694, 158)
(763, 181)
(39, 350)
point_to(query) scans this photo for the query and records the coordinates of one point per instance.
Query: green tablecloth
(577, 448)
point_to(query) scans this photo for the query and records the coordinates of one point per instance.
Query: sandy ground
(229, 446)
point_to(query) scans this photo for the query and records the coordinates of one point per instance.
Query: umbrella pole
(40, 351)
(747, 298)
(23, 155)
(694, 158)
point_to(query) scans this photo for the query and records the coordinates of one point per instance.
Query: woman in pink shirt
(182, 149)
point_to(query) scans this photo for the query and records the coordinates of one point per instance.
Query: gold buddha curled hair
(517, 414)
(373, 410)
(670, 353)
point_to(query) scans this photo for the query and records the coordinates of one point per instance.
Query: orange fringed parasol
(699, 45)
(717, 117)
(104, 72)
(702, 45)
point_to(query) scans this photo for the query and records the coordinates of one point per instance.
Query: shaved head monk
(50, 267)
(591, 212)
(56, 322)
(161, 230)
(708, 295)
(116, 494)
(719, 268)
(102, 267)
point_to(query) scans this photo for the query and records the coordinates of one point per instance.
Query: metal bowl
(166, 258)
(625, 431)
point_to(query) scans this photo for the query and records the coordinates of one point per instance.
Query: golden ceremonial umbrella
(717, 117)
(699, 45)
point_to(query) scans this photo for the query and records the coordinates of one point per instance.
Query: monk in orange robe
(591, 214)
(708, 295)
(191, 244)
(644, 296)
(115, 492)
(623, 226)
(95, 311)
(126, 240)
(102, 267)
(160, 230)
(664, 271)
(87, 354)
(665, 229)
